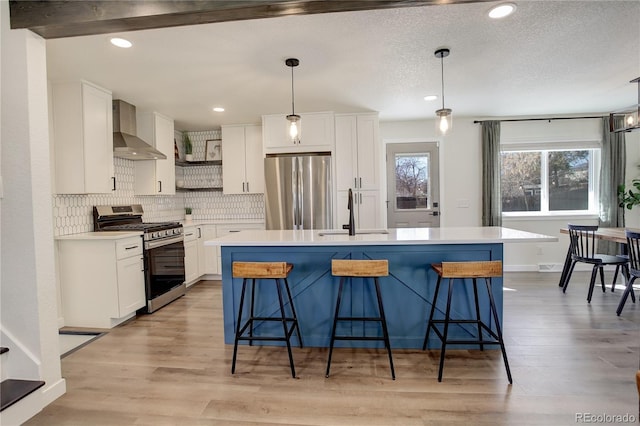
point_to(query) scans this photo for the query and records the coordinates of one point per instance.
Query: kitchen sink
(358, 232)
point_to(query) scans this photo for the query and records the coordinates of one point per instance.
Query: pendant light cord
(293, 108)
(442, 78)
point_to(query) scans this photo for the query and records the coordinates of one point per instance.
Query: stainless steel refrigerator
(298, 191)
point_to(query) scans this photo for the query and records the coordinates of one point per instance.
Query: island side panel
(407, 292)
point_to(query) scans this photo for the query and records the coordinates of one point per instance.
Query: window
(549, 181)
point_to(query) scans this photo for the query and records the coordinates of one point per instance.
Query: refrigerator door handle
(294, 190)
(299, 190)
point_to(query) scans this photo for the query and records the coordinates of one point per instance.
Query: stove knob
(154, 235)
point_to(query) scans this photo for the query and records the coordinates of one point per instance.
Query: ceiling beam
(70, 18)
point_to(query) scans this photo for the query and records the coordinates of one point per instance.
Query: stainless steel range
(163, 251)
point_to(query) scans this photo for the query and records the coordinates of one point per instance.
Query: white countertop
(399, 236)
(104, 235)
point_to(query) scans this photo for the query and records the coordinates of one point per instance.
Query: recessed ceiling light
(502, 10)
(430, 98)
(218, 109)
(120, 42)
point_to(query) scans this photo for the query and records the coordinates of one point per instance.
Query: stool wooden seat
(461, 270)
(278, 271)
(373, 269)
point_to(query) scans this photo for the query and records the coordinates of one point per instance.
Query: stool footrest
(381, 338)
(265, 338)
(359, 319)
(483, 325)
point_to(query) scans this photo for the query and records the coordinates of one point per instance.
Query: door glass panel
(412, 181)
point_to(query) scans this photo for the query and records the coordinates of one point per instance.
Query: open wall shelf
(182, 163)
(213, 188)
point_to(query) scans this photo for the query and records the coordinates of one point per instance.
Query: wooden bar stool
(360, 269)
(278, 271)
(462, 270)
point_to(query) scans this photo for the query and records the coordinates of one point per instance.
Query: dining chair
(582, 239)
(633, 251)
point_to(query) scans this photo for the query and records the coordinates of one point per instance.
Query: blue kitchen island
(407, 292)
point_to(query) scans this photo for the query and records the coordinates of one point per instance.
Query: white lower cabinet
(101, 280)
(208, 255)
(199, 260)
(366, 210)
(226, 229)
(191, 261)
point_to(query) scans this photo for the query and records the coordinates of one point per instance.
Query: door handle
(435, 213)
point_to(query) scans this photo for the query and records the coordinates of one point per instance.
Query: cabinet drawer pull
(114, 183)
(247, 186)
(234, 230)
(188, 235)
(242, 186)
(130, 248)
(160, 185)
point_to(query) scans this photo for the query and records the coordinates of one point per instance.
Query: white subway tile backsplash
(74, 213)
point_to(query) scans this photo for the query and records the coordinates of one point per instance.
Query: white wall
(460, 166)
(461, 176)
(27, 280)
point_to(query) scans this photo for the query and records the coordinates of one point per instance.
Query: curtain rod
(538, 119)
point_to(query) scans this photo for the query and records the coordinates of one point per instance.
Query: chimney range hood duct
(125, 142)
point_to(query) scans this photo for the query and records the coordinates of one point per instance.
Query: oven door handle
(163, 242)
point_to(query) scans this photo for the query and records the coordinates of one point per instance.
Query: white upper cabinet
(358, 167)
(316, 133)
(242, 160)
(155, 177)
(357, 152)
(82, 122)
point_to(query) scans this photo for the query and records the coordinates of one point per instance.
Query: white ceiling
(550, 57)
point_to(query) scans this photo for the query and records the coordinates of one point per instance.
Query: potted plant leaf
(188, 147)
(628, 197)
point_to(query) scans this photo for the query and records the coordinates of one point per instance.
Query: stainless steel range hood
(125, 142)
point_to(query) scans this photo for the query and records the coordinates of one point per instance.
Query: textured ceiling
(550, 57)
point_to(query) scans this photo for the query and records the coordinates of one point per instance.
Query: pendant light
(293, 118)
(444, 121)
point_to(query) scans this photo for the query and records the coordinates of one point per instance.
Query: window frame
(544, 150)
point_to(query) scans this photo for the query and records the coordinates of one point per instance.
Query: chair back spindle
(583, 240)
(633, 247)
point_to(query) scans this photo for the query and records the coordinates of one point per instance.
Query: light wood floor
(172, 368)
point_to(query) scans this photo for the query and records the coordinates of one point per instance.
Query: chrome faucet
(351, 226)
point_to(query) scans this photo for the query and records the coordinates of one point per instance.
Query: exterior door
(413, 185)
